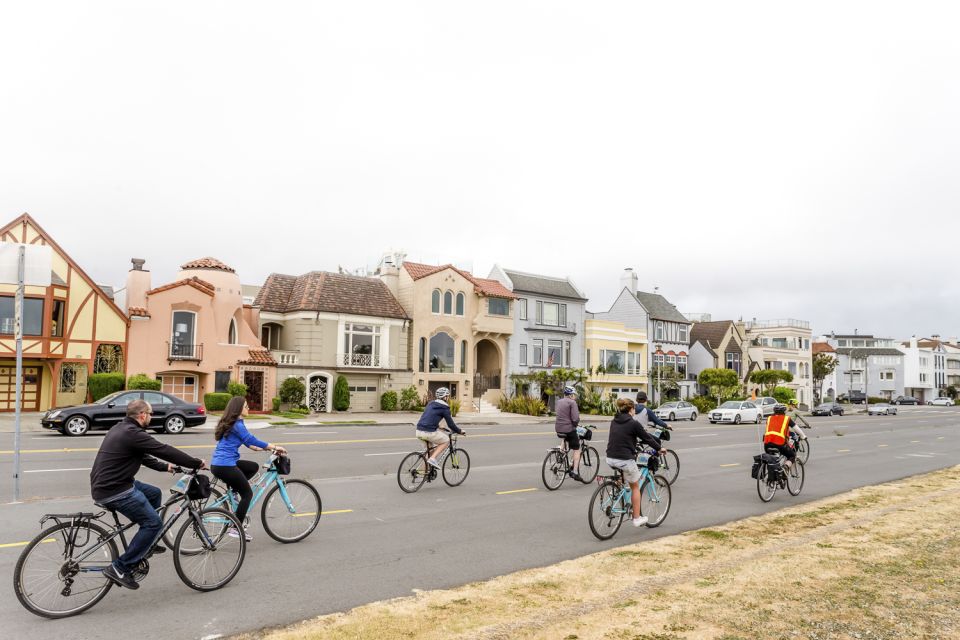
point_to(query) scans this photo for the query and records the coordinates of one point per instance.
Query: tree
(823, 365)
(341, 394)
(550, 381)
(666, 379)
(770, 378)
(952, 392)
(783, 395)
(293, 391)
(721, 383)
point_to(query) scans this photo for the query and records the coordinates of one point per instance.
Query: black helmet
(780, 409)
(641, 396)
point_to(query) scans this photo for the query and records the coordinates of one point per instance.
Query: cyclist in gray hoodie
(568, 418)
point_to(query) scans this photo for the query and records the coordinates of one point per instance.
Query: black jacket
(126, 447)
(624, 433)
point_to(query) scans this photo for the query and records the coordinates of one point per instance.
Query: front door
(254, 382)
(31, 388)
(317, 394)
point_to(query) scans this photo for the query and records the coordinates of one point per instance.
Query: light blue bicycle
(291, 509)
(611, 502)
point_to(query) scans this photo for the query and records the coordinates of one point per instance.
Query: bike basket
(643, 459)
(182, 485)
(199, 489)
(653, 464)
(664, 435)
(282, 465)
(584, 433)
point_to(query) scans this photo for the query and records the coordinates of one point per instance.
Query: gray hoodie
(568, 415)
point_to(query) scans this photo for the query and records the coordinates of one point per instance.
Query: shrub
(103, 384)
(237, 389)
(276, 404)
(143, 381)
(703, 403)
(388, 401)
(341, 394)
(216, 401)
(409, 399)
(783, 395)
(301, 410)
(876, 400)
(523, 405)
(293, 391)
(454, 406)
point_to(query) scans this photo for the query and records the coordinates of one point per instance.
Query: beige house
(718, 345)
(320, 325)
(71, 329)
(461, 327)
(195, 334)
(781, 344)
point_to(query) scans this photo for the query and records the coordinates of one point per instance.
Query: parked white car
(676, 411)
(766, 405)
(881, 409)
(735, 411)
(941, 402)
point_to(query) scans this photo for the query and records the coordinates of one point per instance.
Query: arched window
(463, 355)
(423, 352)
(232, 332)
(435, 301)
(460, 299)
(441, 353)
(448, 303)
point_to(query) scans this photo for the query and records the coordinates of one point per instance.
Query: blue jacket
(228, 448)
(433, 414)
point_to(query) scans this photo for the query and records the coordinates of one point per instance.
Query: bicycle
(414, 470)
(557, 465)
(770, 474)
(65, 562)
(291, 509)
(611, 502)
(802, 446)
(669, 461)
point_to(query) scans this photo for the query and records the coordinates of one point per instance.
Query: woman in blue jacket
(226, 463)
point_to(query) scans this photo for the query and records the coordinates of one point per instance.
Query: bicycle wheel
(795, 478)
(412, 472)
(215, 501)
(456, 466)
(766, 489)
(294, 518)
(669, 466)
(50, 584)
(589, 464)
(554, 470)
(607, 510)
(655, 498)
(803, 450)
(221, 555)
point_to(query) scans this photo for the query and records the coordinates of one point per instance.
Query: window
(551, 314)
(460, 302)
(56, 318)
(923, 377)
(658, 330)
(613, 361)
(792, 368)
(155, 399)
(523, 308)
(523, 355)
(733, 361)
(423, 351)
(631, 363)
(589, 360)
(435, 301)
(682, 365)
(566, 353)
(658, 359)
(554, 353)
(779, 343)
(232, 332)
(463, 356)
(441, 353)
(448, 303)
(672, 361)
(537, 352)
(361, 345)
(183, 334)
(108, 359)
(498, 307)
(32, 316)
(683, 332)
(563, 315)
(220, 381)
(539, 318)
(362, 389)
(886, 375)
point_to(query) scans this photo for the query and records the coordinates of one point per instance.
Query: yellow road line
(503, 493)
(843, 450)
(914, 441)
(21, 544)
(883, 445)
(940, 437)
(732, 464)
(323, 513)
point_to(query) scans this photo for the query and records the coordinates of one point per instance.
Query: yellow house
(616, 357)
(70, 329)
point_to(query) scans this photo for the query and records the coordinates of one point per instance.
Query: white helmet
(442, 393)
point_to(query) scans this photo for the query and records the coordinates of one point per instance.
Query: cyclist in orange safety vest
(777, 436)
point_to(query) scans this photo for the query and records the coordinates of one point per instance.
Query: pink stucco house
(196, 335)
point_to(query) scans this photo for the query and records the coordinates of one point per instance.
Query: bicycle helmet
(793, 402)
(569, 391)
(780, 408)
(442, 393)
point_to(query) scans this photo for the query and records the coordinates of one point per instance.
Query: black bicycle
(414, 470)
(559, 464)
(668, 461)
(60, 572)
(770, 474)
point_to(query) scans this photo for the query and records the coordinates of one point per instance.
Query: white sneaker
(639, 522)
(233, 533)
(433, 463)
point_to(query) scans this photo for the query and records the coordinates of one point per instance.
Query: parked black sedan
(170, 413)
(828, 409)
(905, 400)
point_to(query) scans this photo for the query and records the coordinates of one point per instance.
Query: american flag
(550, 360)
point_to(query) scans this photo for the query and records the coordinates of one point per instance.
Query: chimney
(138, 283)
(390, 276)
(628, 280)
(913, 342)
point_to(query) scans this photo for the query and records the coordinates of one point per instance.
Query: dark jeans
(139, 507)
(236, 477)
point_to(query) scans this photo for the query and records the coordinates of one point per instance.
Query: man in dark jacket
(622, 450)
(112, 484)
(429, 423)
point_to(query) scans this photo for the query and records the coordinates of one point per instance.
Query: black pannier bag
(199, 488)
(755, 469)
(282, 465)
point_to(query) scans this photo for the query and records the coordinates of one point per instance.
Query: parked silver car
(676, 411)
(881, 409)
(941, 402)
(766, 405)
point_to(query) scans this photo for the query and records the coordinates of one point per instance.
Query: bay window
(361, 345)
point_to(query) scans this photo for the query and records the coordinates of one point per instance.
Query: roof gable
(711, 333)
(543, 285)
(328, 292)
(483, 286)
(659, 308)
(200, 285)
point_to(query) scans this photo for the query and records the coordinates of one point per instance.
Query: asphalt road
(375, 542)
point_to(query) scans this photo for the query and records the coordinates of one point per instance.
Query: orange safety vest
(777, 427)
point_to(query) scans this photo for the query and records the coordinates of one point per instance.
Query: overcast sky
(755, 159)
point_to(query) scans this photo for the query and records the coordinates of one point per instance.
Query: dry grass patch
(871, 564)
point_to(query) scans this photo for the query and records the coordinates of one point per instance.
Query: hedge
(143, 381)
(216, 401)
(388, 401)
(103, 384)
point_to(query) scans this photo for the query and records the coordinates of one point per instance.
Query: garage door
(8, 388)
(364, 396)
(184, 387)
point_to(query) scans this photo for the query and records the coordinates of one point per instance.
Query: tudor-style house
(320, 325)
(195, 334)
(71, 329)
(717, 345)
(460, 331)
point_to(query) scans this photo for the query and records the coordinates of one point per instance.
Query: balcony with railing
(285, 357)
(790, 323)
(184, 352)
(366, 361)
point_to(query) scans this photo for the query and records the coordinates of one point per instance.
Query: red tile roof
(482, 286)
(331, 292)
(195, 282)
(138, 312)
(822, 347)
(259, 356)
(208, 263)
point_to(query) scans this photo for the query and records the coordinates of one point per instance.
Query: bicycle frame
(261, 487)
(624, 495)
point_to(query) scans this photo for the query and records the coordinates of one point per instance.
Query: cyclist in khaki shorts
(428, 426)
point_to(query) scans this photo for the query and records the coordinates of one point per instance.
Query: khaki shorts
(434, 437)
(631, 472)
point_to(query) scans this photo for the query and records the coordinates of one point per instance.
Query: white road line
(309, 433)
(388, 453)
(704, 435)
(53, 470)
(920, 455)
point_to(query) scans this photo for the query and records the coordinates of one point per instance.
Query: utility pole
(18, 324)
